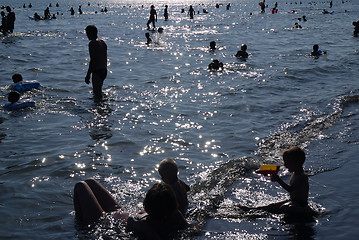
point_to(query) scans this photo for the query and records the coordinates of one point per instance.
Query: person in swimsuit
(98, 61)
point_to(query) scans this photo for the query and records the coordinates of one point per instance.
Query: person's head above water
(212, 45)
(13, 97)
(17, 77)
(168, 170)
(244, 47)
(91, 32)
(160, 202)
(315, 47)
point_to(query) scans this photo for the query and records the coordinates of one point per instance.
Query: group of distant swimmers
(166, 203)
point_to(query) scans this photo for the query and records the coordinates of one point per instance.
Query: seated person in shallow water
(215, 65)
(161, 217)
(243, 52)
(298, 187)
(149, 40)
(316, 51)
(168, 171)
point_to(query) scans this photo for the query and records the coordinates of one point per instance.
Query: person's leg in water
(97, 82)
(91, 200)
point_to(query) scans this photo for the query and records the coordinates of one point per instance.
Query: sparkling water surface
(161, 101)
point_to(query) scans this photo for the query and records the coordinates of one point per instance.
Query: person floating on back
(298, 186)
(153, 18)
(22, 86)
(243, 52)
(168, 171)
(316, 52)
(98, 61)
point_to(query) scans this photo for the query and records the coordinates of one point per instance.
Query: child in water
(316, 52)
(161, 217)
(168, 171)
(298, 187)
(15, 104)
(20, 85)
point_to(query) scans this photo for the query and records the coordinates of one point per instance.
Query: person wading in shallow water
(98, 61)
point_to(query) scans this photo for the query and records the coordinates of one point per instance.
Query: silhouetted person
(215, 65)
(153, 18)
(80, 10)
(72, 11)
(47, 14)
(165, 14)
(243, 52)
(98, 61)
(212, 45)
(10, 20)
(356, 28)
(149, 40)
(191, 12)
(3, 27)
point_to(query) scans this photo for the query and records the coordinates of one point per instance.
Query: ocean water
(161, 101)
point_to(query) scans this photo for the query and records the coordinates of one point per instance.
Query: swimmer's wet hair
(92, 29)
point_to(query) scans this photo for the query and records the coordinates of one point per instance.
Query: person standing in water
(191, 12)
(165, 14)
(153, 18)
(10, 20)
(98, 61)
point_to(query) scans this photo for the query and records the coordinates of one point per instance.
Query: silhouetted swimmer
(149, 40)
(297, 26)
(57, 5)
(325, 11)
(160, 30)
(356, 28)
(316, 52)
(204, 10)
(30, 5)
(37, 16)
(80, 10)
(215, 65)
(165, 13)
(72, 11)
(304, 18)
(13, 97)
(191, 12)
(153, 18)
(182, 10)
(212, 45)
(98, 61)
(228, 6)
(243, 52)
